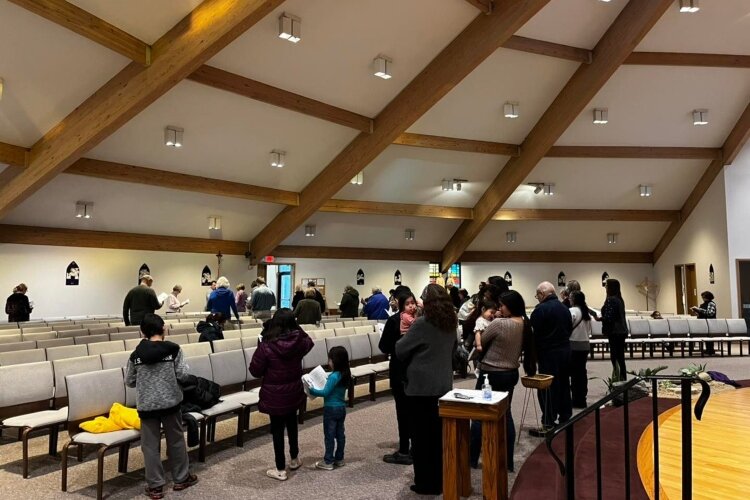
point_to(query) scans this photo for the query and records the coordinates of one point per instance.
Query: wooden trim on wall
(310, 252)
(588, 257)
(689, 59)
(587, 215)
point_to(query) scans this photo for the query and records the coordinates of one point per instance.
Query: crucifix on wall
(219, 257)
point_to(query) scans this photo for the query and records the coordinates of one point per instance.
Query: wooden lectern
(456, 415)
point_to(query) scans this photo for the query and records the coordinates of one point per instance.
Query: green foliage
(693, 370)
(647, 372)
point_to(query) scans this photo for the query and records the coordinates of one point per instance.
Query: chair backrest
(227, 345)
(678, 326)
(38, 383)
(736, 327)
(333, 325)
(72, 333)
(123, 328)
(61, 327)
(344, 332)
(318, 355)
(360, 347)
(193, 337)
(105, 347)
(115, 359)
(9, 326)
(11, 338)
(228, 367)
(248, 358)
(39, 336)
(363, 329)
(250, 342)
(717, 327)
(69, 366)
(91, 339)
(122, 335)
(67, 351)
(200, 366)
(36, 329)
(21, 357)
(18, 346)
(182, 328)
(352, 323)
(199, 349)
(180, 338)
(658, 327)
(639, 327)
(232, 334)
(93, 393)
(321, 334)
(252, 326)
(339, 341)
(43, 344)
(697, 327)
(131, 344)
(98, 330)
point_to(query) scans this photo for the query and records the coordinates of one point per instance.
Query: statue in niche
(508, 278)
(72, 274)
(397, 278)
(206, 276)
(561, 279)
(144, 270)
(360, 277)
(605, 277)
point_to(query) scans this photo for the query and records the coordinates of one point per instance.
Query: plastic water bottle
(486, 389)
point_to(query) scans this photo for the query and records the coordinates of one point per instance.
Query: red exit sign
(268, 259)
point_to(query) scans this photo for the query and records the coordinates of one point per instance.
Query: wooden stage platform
(721, 450)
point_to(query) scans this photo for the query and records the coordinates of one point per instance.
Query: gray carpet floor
(232, 472)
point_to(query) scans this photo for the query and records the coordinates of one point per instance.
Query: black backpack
(200, 392)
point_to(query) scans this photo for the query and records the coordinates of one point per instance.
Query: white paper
(187, 301)
(316, 379)
(162, 297)
(476, 397)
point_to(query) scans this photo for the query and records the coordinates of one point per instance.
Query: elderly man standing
(140, 301)
(552, 326)
(376, 305)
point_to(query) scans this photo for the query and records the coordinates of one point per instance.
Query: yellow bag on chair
(120, 417)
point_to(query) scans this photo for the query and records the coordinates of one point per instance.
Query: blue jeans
(500, 381)
(333, 428)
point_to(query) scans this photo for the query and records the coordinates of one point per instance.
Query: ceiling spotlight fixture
(409, 234)
(700, 117)
(447, 185)
(290, 27)
(359, 178)
(84, 209)
(510, 110)
(310, 230)
(278, 158)
(382, 66)
(453, 184)
(601, 116)
(645, 190)
(611, 238)
(689, 6)
(510, 237)
(549, 189)
(538, 186)
(214, 222)
(173, 136)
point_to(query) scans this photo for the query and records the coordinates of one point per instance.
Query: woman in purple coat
(278, 361)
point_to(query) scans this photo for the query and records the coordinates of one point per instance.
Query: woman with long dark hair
(615, 328)
(579, 348)
(391, 335)
(278, 361)
(426, 351)
(503, 341)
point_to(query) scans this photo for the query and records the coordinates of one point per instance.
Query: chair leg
(64, 464)
(54, 432)
(351, 393)
(240, 440)
(25, 450)
(372, 387)
(79, 451)
(122, 464)
(100, 472)
(202, 442)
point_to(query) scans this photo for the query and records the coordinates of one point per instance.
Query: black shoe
(398, 458)
(539, 433)
(425, 491)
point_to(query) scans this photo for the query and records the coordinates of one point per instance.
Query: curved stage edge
(721, 450)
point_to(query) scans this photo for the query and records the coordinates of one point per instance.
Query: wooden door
(691, 285)
(743, 288)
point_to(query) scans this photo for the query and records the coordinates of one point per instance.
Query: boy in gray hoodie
(155, 368)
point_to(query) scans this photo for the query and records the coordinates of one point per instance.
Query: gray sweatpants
(176, 449)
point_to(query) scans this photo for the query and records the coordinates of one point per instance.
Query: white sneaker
(295, 464)
(276, 474)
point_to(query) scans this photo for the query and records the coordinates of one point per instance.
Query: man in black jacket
(552, 325)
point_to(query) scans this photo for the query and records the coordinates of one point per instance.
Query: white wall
(738, 207)
(702, 241)
(106, 276)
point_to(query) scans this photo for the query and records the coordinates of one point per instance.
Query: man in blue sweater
(376, 306)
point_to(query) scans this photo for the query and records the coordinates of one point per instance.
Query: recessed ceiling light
(689, 6)
(453, 184)
(84, 209)
(214, 222)
(358, 179)
(173, 136)
(510, 237)
(611, 238)
(409, 234)
(278, 158)
(601, 116)
(290, 27)
(510, 110)
(549, 189)
(700, 117)
(645, 190)
(382, 66)
(310, 230)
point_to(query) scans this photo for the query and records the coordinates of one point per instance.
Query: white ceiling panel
(652, 106)
(403, 174)
(132, 208)
(227, 137)
(48, 71)
(720, 27)
(339, 41)
(147, 20)
(579, 23)
(610, 184)
(474, 108)
(570, 236)
(374, 231)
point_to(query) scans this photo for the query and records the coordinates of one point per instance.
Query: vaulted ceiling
(49, 70)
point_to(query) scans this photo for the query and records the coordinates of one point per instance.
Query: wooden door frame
(739, 290)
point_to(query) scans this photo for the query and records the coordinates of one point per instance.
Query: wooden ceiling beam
(13, 155)
(220, 79)
(631, 25)
(549, 49)
(88, 25)
(183, 49)
(732, 146)
(395, 209)
(587, 215)
(454, 144)
(634, 152)
(472, 46)
(483, 5)
(688, 59)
